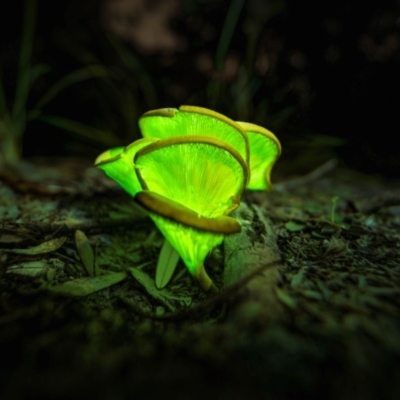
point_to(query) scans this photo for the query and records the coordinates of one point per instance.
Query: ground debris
(327, 317)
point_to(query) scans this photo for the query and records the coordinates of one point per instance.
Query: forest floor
(80, 314)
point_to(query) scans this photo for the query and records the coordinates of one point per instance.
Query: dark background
(325, 79)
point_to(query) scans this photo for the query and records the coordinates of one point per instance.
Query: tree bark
(255, 246)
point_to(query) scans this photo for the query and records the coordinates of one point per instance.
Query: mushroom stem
(204, 280)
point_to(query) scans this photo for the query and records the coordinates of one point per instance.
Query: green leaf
(286, 298)
(148, 283)
(167, 262)
(45, 247)
(293, 226)
(32, 269)
(85, 252)
(85, 286)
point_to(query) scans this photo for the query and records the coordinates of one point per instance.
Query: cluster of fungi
(189, 172)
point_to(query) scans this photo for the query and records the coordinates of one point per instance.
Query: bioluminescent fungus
(264, 151)
(117, 163)
(188, 184)
(193, 237)
(189, 173)
(191, 120)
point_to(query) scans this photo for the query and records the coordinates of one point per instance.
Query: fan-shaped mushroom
(189, 173)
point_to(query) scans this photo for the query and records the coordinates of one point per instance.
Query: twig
(206, 305)
(375, 203)
(308, 178)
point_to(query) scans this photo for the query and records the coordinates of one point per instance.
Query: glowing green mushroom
(190, 184)
(189, 173)
(203, 173)
(192, 236)
(117, 163)
(265, 149)
(191, 120)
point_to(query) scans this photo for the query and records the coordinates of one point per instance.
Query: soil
(80, 315)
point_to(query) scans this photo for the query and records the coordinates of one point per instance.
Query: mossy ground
(340, 337)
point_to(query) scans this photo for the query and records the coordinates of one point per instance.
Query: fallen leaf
(293, 226)
(85, 286)
(45, 247)
(285, 298)
(166, 265)
(31, 269)
(148, 283)
(85, 252)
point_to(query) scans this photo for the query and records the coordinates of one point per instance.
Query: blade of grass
(37, 71)
(23, 76)
(129, 112)
(4, 113)
(94, 135)
(4, 129)
(230, 23)
(77, 76)
(133, 65)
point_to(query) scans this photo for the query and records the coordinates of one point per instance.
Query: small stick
(375, 203)
(207, 304)
(308, 178)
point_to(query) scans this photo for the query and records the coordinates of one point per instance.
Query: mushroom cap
(157, 204)
(118, 164)
(203, 173)
(190, 183)
(265, 149)
(191, 120)
(193, 245)
(193, 237)
(189, 172)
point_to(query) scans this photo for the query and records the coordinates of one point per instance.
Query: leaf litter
(341, 275)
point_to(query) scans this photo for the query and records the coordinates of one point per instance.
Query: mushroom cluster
(189, 172)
